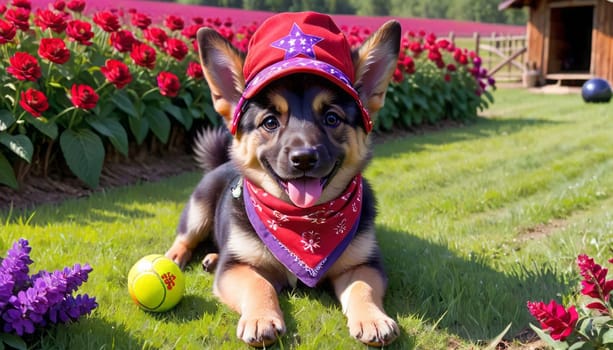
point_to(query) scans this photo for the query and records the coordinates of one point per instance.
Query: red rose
(460, 56)
(59, 5)
(49, 19)
(416, 47)
(2, 9)
(122, 40)
(107, 21)
(174, 23)
(24, 67)
(176, 48)
(117, 73)
(190, 31)
(83, 96)
(398, 76)
(80, 31)
(25, 4)
(434, 55)
(19, 16)
(76, 5)
(34, 102)
(7, 31)
(54, 49)
(169, 84)
(143, 55)
(194, 70)
(141, 20)
(155, 35)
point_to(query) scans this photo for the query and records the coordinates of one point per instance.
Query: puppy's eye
(332, 119)
(270, 123)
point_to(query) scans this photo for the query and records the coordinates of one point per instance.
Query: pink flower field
(159, 10)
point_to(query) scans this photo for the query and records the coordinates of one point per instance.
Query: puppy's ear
(222, 65)
(375, 62)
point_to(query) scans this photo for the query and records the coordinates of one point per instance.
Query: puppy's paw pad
(260, 331)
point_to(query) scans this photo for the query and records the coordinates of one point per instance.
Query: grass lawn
(473, 222)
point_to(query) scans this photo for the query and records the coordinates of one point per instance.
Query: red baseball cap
(298, 42)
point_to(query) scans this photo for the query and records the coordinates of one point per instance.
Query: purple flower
(46, 297)
(6, 288)
(26, 310)
(76, 276)
(15, 320)
(71, 308)
(17, 263)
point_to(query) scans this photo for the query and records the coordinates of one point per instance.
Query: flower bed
(79, 89)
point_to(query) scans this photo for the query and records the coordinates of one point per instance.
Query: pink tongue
(304, 192)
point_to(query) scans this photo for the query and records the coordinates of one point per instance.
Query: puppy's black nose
(304, 158)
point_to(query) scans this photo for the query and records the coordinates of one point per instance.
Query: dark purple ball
(596, 90)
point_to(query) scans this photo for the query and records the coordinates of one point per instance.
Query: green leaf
(6, 119)
(139, 128)
(187, 116)
(421, 101)
(106, 109)
(576, 346)
(122, 100)
(547, 339)
(7, 175)
(187, 98)
(43, 125)
(212, 115)
(13, 341)
(493, 345)
(173, 110)
(18, 144)
(159, 123)
(112, 129)
(84, 154)
(607, 336)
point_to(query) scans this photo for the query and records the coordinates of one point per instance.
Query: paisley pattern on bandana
(307, 241)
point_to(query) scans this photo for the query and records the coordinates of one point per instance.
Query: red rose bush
(86, 85)
(82, 85)
(590, 327)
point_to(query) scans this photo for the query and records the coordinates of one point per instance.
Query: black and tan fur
(300, 125)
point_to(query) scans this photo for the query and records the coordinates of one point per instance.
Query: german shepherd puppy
(301, 141)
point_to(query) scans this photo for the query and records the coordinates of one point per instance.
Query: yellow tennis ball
(156, 283)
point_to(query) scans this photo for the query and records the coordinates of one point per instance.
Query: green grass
(473, 222)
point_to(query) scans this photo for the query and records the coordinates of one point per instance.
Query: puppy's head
(301, 103)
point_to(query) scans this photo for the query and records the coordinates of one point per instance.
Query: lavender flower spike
(17, 262)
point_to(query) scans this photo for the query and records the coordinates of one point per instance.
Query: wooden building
(569, 40)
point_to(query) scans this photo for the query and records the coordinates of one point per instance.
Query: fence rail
(503, 56)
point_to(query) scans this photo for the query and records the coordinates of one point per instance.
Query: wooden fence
(504, 56)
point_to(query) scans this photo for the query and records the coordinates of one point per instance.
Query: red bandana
(306, 240)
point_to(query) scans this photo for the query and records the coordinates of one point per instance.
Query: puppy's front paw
(260, 330)
(372, 327)
(179, 253)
